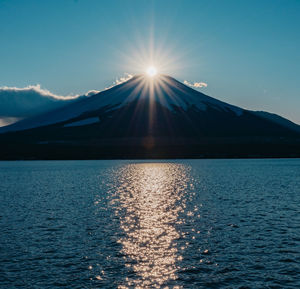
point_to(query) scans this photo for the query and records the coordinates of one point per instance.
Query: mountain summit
(146, 116)
(162, 91)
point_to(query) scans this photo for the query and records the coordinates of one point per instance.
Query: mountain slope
(145, 114)
(278, 119)
(163, 94)
(164, 90)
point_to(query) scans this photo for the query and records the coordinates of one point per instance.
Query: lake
(150, 224)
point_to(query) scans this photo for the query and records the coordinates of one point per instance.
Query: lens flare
(151, 71)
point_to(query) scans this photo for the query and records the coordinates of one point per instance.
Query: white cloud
(35, 89)
(91, 92)
(124, 78)
(29, 100)
(120, 80)
(16, 102)
(195, 84)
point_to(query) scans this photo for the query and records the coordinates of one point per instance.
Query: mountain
(278, 119)
(150, 117)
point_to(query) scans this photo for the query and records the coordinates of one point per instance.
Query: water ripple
(125, 224)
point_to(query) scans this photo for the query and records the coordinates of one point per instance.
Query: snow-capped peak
(164, 89)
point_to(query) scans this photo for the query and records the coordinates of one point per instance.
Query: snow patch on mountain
(163, 89)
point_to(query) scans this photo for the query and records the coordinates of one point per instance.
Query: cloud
(120, 80)
(37, 90)
(195, 84)
(123, 79)
(30, 100)
(91, 92)
(17, 103)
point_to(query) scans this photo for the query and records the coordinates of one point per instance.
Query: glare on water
(136, 224)
(148, 210)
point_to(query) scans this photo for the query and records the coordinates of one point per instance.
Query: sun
(151, 71)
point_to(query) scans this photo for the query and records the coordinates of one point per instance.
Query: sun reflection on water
(150, 199)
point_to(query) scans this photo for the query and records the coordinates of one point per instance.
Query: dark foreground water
(137, 224)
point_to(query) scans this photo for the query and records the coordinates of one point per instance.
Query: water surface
(150, 224)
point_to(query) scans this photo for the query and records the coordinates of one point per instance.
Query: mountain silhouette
(150, 117)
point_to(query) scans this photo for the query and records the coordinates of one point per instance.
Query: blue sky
(248, 52)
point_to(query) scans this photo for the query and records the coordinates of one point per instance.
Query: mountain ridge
(72, 108)
(146, 114)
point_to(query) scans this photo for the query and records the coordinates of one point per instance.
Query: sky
(247, 53)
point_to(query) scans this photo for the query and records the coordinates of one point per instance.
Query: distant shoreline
(68, 152)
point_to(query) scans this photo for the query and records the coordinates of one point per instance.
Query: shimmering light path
(148, 202)
(138, 224)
